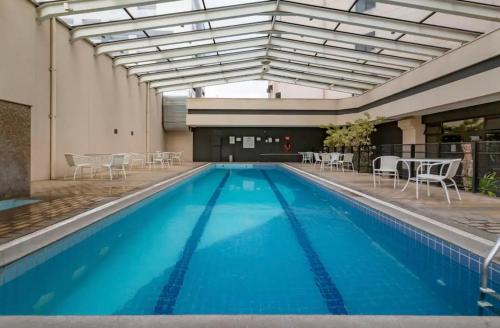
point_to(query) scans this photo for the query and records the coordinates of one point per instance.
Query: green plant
(352, 134)
(488, 184)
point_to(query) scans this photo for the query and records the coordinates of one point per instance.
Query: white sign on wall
(248, 142)
(231, 140)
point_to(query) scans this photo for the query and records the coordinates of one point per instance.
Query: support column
(53, 100)
(413, 130)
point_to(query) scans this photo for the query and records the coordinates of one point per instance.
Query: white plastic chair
(388, 166)
(78, 163)
(447, 172)
(158, 159)
(346, 161)
(325, 160)
(334, 160)
(118, 162)
(317, 159)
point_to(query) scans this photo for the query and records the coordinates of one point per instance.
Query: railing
(484, 290)
(478, 157)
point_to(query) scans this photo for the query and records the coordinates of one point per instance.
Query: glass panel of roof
(95, 17)
(337, 4)
(161, 8)
(117, 37)
(240, 37)
(460, 22)
(238, 50)
(393, 11)
(430, 41)
(405, 55)
(240, 20)
(302, 38)
(361, 47)
(186, 44)
(131, 52)
(308, 22)
(176, 29)
(368, 31)
(221, 3)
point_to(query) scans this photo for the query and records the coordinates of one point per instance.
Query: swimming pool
(245, 239)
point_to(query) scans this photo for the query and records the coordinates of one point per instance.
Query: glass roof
(372, 39)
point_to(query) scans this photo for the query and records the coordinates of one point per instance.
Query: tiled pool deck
(61, 199)
(475, 213)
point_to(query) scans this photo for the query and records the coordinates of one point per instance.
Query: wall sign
(248, 142)
(231, 140)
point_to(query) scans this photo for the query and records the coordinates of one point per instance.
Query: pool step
(485, 305)
(490, 292)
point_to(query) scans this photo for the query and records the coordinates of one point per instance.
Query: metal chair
(447, 172)
(388, 166)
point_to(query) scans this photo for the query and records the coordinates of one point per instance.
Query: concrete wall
(180, 141)
(93, 98)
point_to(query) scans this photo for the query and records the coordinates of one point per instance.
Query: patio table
(420, 161)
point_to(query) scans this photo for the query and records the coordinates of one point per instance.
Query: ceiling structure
(349, 46)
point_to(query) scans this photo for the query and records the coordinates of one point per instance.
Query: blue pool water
(12, 203)
(236, 240)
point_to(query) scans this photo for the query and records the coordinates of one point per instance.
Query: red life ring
(288, 147)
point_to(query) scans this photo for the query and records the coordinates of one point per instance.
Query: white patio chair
(316, 158)
(303, 154)
(325, 160)
(168, 158)
(118, 162)
(334, 160)
(177, 156)
(158, 159)
(388, 166)
(78, 163)
(447, 172)
(346, 161)
(309, 157)
(137, 159)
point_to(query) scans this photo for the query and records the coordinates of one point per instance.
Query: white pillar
(413, 130)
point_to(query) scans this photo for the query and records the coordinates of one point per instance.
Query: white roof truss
(170, 62)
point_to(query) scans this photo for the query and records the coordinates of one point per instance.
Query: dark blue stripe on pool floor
(327, 288)
(168, 297)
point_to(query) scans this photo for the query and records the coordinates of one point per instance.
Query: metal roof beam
(403, 63)
(208, 83)
(176, 38)
(177, 19)
(460, 8)
(377, 22)
(179, 74)
(258, 62)
(269, 8)
(328, 72)
(368, 69)
(190, 51)
(311, 84)
(319, 78)
(185, 63)
(73, 7)
(350, 38)
(211, 76)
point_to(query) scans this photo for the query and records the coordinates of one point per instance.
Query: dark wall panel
(387, 133)
(212, 144)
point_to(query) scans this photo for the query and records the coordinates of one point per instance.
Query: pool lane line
(168, 296)
(327, 288)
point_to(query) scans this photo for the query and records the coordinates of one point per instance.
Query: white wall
(180, 141)
(93, 97)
